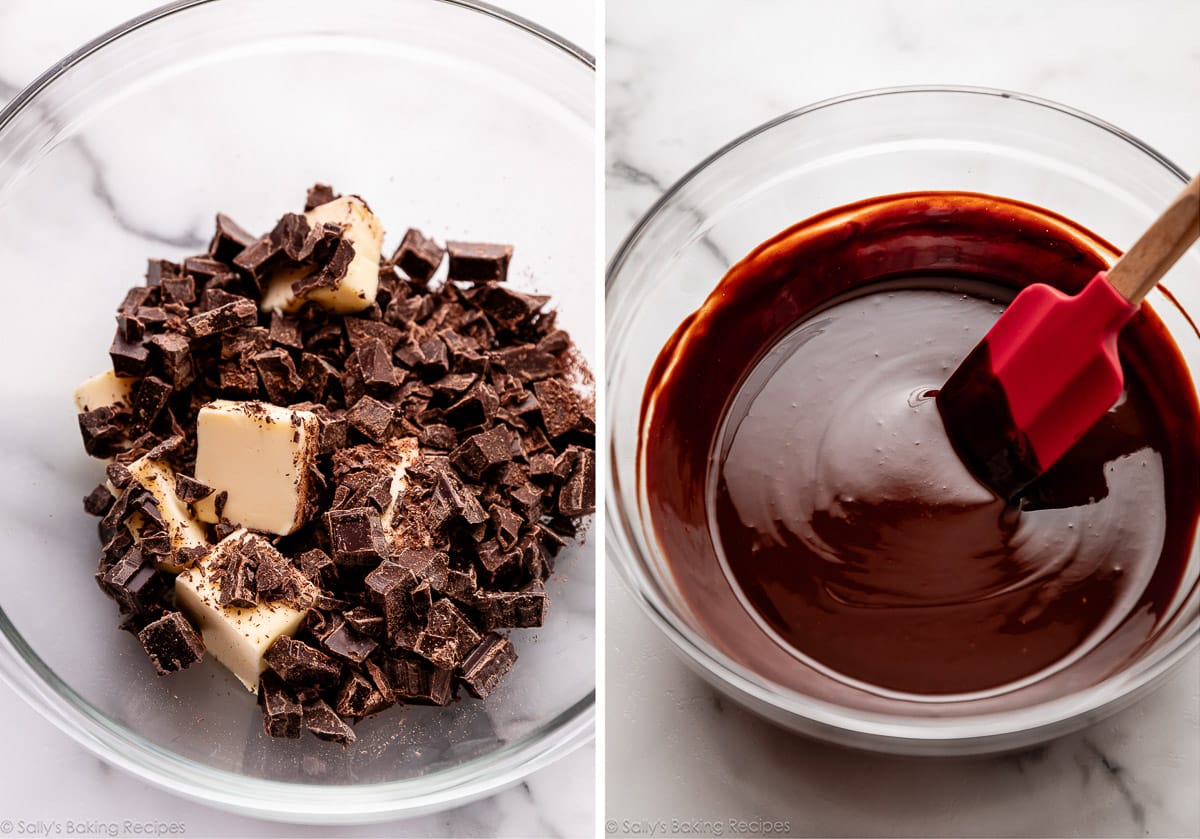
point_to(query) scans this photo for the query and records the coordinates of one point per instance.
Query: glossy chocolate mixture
(814, 513)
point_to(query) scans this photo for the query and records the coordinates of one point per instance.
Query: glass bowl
(453, 117)
(827, 155)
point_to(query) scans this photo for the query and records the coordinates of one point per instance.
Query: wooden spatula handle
(1159, 247)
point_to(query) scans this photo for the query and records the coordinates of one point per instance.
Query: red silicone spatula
(1048, 369)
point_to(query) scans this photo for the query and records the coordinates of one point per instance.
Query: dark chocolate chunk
(437, 436)
(435, 358)
(577, 496)
(285, 331)
(418, 256)
(365, 621)
(527, 500)
(278, 375)
(360, 331)
(560, 407)
(321, 720)
(130, 327)
(316, 565)
(479, 453)
(229, 239)
(507, 525)
(375, 361)
(179, 290)
(356, 536)
(528, 363)
(484, 667)
(158, 270)
(129, 358)
(300, 665)
(172, 643)
(99, 501)
(103, 431)
(165, 449)
(507, 308)
(319, 194)
(118, 474)
(204, 268)
(418, 682)
(259, 257)
(331, 273)
(476, 262)
(379, 678)
(454, 385)
(358, 698)
(372, 417)
(290, 234)
(282, 714)
(236, 583)
(316, 373)
(189, 490)
(452, 500)
(476, 407)
(173, 355)
(148, 398)
(512, 609)
(133, 582)
(239, 313)
(349, 644)
(447, 637)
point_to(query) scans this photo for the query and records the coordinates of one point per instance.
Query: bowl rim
(43, 690)
(888, 732)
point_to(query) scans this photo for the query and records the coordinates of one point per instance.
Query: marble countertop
(44, 775)
(683, 78)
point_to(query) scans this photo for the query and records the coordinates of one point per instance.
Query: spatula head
(1044, 374)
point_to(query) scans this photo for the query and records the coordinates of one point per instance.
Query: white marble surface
(683, 78)
(43, 774)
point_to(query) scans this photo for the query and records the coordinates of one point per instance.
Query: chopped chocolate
(316, 565)
(159, 269)
(484, 667)
(356, 536)
(285, 331)
(241, 312)
(259, 257)
(476, 262)
(331, 273)
(507, 308)
(418, 682)
(189, 490)
(375, 361)
(236, 582)
(282, 714)
(99, 501)
(452, 500)
(319, 194)
(316, 373)
(512, 609)
(103, 431)
(179, 290)
(278, 375)
(300, 665)
(229, 239)
(204, 268)
(527, 500)
(360, 331)
(290, 235)
(133, 582)
(172, 643)
(371, 417)
(479, 453)
(476, 407)
(172, 353)
(148, 398)
(418, 256)
(438, 436)
(321, 720)
(365, 621)
(577, 497)
(349, 644)
(507, 525)
(129, 358)
(358, 698)
(560, 407)
(381, 681)
(447, 637)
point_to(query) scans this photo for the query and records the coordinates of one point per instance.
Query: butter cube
(184, 531)
(102, 390)
(260, 456)
(356, 291)
(237, 637)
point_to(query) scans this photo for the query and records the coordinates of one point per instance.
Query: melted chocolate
(816, 517)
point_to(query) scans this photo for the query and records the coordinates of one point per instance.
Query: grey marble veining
(684, 78)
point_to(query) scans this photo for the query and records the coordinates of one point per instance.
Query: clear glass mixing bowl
(823, 156)
(453, 117)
